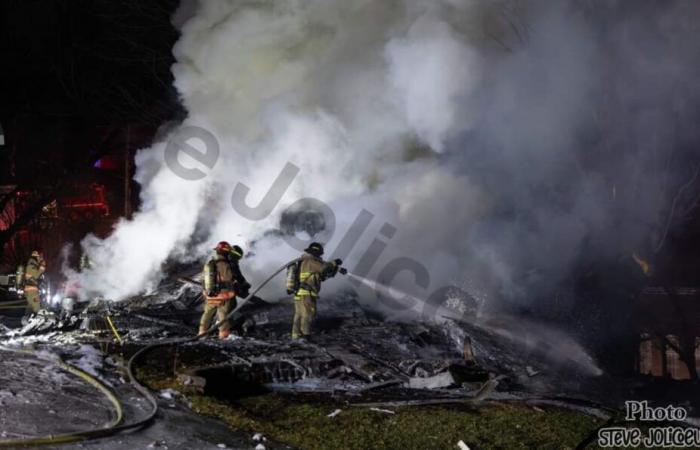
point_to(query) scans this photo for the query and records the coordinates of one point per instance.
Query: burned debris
(353, 353)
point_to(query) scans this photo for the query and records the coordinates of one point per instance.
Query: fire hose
(14, 306)
(116, 425)
(111, 427)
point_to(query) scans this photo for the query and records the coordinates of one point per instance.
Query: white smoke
(129, 261)
(458, 122)
(430, 91)
(331, 87)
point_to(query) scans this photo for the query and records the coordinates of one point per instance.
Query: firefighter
(85, 263)
(33, 279)
(222, 282)
(304, 279)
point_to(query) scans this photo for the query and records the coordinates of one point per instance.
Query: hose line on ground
(116, 426)
(14, 304)
(63, 438)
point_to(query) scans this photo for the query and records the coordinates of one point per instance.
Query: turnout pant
(33, 296)
(221, 309)
(304, 314)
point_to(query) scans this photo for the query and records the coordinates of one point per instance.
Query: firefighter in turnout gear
(222, 282)
(33, 280)
(304, 278)
(85, 263)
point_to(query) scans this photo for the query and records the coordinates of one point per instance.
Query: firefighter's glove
(243, 289)
(290, 291)
(338, 262)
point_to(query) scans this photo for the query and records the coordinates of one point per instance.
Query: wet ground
(38, 398)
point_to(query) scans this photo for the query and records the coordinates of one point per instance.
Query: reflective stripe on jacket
(312, 272)
(34, 270)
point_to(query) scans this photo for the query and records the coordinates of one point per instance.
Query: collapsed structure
(355, 352)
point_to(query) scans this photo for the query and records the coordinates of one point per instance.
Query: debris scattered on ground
(382, 356)
(355, 357)
(334, 413)
(462, 445)
(168, 394)
(442, 380)
(90, 361)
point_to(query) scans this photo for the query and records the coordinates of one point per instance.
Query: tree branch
(672, 212)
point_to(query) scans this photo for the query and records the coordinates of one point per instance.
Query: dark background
(81, 82)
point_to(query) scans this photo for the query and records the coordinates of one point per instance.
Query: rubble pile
(354, 352)
(355, 356)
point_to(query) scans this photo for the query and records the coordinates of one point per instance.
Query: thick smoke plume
(504, 140)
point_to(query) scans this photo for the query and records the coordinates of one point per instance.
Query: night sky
(75, 73)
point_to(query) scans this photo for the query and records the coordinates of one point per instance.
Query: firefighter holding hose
(222, 282)
(304, 278)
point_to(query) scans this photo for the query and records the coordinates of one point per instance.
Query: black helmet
(315, 249)
(237, 251)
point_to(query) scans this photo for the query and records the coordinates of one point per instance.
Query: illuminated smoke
(474, 128)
